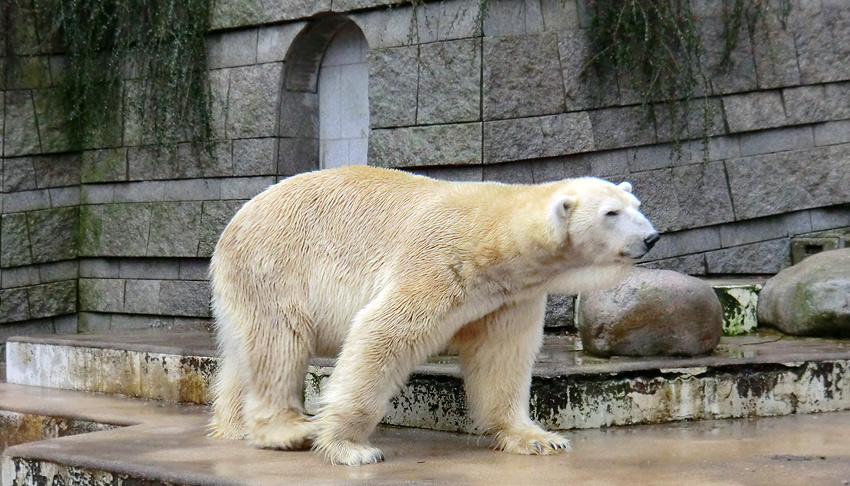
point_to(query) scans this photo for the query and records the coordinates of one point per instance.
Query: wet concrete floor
(169, 444)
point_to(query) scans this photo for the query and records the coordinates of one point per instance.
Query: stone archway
(336, 45)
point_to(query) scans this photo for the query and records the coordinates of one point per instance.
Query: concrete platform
(762, 374)
(159, 443)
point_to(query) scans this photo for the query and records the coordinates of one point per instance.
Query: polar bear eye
(612, 213)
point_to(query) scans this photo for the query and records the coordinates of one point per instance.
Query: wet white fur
(390, 268)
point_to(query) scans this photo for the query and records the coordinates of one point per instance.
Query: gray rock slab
(754, 111)
(14, 305)
(255, 157)
(765, 257)
(253, 100)
(215, 216)
(393, 86)
(104, 165)
(449, 82)
(21, 137)
(703, 195)
(53, 234)
(811, 298)
(458, 144)
(651, 313)
(15, 246)
(174, 229)
(522, 77)
(622, 127)
(230, 49)
(52, 299)
(545, 136)
(18, 174)
(101, 294)
(805, 104)
(114, 229)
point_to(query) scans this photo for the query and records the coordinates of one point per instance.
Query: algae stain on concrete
(740, 305)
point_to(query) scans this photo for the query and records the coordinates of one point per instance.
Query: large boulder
(651, 313)
(811, 298)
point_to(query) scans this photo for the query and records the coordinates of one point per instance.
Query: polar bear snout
(650, 241)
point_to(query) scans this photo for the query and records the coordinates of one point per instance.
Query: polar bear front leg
(387, 339)
(497, 354)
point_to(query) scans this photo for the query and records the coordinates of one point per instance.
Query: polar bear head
(601, 221)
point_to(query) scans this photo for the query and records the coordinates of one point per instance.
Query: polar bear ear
(563, 205)
(626, 186)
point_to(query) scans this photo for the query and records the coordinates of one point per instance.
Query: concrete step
(761, 374)
(161, 444)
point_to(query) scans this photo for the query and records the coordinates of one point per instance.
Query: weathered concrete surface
(169, 446)
(651, 313)
(740, 305)
(746, 376)
(811, 298)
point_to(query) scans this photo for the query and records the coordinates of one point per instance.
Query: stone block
(809, 299)
(193, 160)
(127, 322)
(19, 277)
(191, 190)
(97, 194)
(836, 95)
(387, 27)
(274, 41)
(149, 268)
(559, 168)
(703, 195)
(15, 246)
(797, 180)
(458, 144)
(754, 230)
(228, 14)
(621, 127)
(99, 268)
(28, 73)
(67, 324)
(114, 229)
(605, 164)
(185, 298)
(740, 73)
(754, 111)
(473, 173)
(832, 133)
(26, 201)
(55, 272)
(90, 322)
(215, 216)
(686, 242)
(151, 163)
(174, 229)
(245, 187)
(142, 297)
(510, 173)
(658, 193)
(775, 54)
(650, 157)
(21, 137)
(449, 82)
(717, 148)
(254, 157)
(219, 83)
(529, 138)
(440, 21)
(766, 257)
(53, 234)
(393, 86)
(53, 299)
(512, 18)
(818, 51)
(829, 218)
(18, 175)
(57, 170)
(253, 100)
(53, 129)
(230, 49)
(696, 118)
(194, 269)
(559, 15)
(144, 191)
(64, 196)
(522, 77)
(104, 165)
(101, 294)
(297, 155)
(772, 141)
(299, 114)
(805, 104)
(14, 305)
(688, 264)
(560, 311)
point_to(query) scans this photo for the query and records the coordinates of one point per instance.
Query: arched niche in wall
(324, 107)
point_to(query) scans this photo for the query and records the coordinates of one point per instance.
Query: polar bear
(386, 268)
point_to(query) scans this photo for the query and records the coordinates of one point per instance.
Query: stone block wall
(118, 236)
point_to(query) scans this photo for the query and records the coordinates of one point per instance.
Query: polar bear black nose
(650, 240)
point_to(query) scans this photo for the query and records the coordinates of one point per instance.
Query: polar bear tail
(228, 387)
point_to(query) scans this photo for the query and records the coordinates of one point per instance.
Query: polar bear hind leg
(497, 354)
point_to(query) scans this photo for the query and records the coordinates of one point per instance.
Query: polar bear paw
(349, 453)
(292, 433)
(531, 441)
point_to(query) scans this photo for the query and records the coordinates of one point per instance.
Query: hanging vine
(142, 62)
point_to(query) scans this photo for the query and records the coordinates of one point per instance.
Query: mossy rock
(811, 298)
